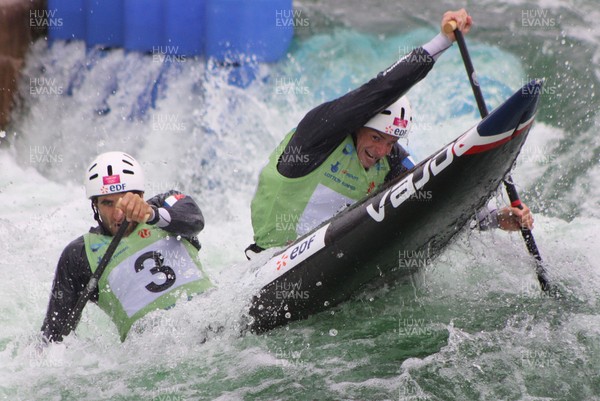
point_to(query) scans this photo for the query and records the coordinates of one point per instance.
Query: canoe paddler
(344, 149)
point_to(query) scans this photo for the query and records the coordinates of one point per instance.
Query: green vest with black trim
(149, 270)
(285, 208)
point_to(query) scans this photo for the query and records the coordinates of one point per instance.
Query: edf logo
(107, 189)
(299, 249)
(117, 188)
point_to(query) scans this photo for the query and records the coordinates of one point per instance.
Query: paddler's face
(372, 145)
(111, 215)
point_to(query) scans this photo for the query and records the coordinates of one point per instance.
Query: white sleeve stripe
(164, 217)
(436, 46)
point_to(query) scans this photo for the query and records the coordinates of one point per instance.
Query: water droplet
(326, 303)
(319, 283)
(179, 238)
(340, 255)
(333, 332)
(261, 307)
(288, 315)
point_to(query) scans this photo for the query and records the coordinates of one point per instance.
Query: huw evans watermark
(44, 86)
(290, 222)
(167, 54)
(414, 327)
(289, 358)
(166, 394)
(414, 54)
(537, 19)
(291, 18)
(409, 259)
(290, 86)
(44, 155)
(44, 19)
(286, 290)
(167, 122)
(546, 89)
(410, 391)
(539, 359)
(536, 155)
(291, 154)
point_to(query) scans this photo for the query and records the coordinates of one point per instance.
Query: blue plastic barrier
(104, 22)
(143, 25)
(236, 29)
(237, 34)
(71, 14)
(184, 26)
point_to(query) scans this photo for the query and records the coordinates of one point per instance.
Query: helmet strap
(97, 214)
(95, 210)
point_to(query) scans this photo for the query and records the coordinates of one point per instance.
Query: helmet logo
(105, 189)
(111, 179)
(398, 122)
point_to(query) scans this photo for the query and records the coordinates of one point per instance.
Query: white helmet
(395, 120)
(113, 172)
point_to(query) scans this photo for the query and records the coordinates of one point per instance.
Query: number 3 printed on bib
(152, 272)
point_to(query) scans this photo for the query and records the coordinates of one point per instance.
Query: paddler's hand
(463, 22)
(135, 208)
(513, 218)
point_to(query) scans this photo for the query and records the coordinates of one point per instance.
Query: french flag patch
(171, 200)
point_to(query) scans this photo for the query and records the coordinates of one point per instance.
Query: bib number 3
(158, 267)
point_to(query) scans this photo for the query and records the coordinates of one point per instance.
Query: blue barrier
(239, 28)
(228, 30)
(143, 27)
(237, 34)
(184, 26)
(104, 23)
(71, 14)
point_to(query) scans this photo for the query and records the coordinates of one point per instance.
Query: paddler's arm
(508, 218)
(326, 126)
(72, 275)
(176, 213)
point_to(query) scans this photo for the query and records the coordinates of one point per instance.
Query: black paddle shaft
(511, 190)
(91, 286)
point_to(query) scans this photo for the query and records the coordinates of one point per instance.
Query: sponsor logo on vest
(349, 175)
(339, 181)
(348, 149)
(335, 167)
(144, 233)
(409, 185)
(371, 187)
(96, 247)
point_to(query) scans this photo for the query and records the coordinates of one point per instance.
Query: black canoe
(401, 226)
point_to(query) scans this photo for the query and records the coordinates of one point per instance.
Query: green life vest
(149, 270)
(284, 208)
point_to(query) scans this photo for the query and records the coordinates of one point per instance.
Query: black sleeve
(178, 214)
(326, 126)
(72, 275)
